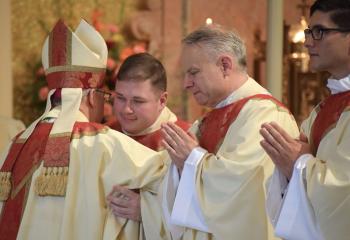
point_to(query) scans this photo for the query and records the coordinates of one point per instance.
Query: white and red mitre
(74, 59)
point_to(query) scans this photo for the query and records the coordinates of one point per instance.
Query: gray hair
(217, 40)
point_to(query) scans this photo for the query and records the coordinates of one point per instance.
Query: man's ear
(226, 64)
(91, 98)
(163, 99)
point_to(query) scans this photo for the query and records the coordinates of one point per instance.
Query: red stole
(215, 124)
(152, 140)
(327, 117)
(22, 161)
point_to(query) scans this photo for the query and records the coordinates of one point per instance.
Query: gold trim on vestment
(89, 133)
(73, 68)
(65, 134)
(69, 48)
(23, 182)
(52, 181)
(5, 185)
(50, 49)
(20, 140)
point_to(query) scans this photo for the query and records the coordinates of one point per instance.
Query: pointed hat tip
(60, 24)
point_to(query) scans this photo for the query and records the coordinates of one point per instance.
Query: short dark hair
(142, 67)
(339, 11)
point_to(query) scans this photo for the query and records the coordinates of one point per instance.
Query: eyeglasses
(317, 32)
(106, 95)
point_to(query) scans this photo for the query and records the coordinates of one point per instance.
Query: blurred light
(296, 32)
(209, 21)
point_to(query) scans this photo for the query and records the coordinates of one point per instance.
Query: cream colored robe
(316, 203)
(152, 226)
(328, 179)
(229, 187)
(97, 162)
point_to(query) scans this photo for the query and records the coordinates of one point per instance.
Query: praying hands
(282, 148)
(178, 143)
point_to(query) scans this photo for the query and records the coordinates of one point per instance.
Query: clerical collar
(338, 86)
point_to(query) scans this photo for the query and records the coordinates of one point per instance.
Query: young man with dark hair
(140, 108)
(309, 190)
(140, 100)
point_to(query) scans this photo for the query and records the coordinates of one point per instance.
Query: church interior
(271, 30)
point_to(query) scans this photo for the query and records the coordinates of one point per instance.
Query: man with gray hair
(214, 188)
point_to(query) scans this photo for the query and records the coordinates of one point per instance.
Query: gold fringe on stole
(52, 181)
(5, 185)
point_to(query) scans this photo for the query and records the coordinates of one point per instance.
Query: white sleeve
(186, 210)
(277, 185)
(170, 185)
(297, 218)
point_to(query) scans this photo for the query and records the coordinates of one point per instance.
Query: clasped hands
(125, 203)
(282, 148)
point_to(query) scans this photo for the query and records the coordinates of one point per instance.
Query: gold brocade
(72, 68)
(5, 185)
(52, 181)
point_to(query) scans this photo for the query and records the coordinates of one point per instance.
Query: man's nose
(187, 82)
(128, 107)
(309, 41)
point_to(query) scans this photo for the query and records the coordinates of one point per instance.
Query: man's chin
(130, 131)
(314, 68)
(201, 101)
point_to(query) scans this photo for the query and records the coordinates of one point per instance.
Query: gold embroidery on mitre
(69, 48)
(74, 68)
(5, 185)
(52, 181)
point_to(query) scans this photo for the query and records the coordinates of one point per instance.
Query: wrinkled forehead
(194, 55)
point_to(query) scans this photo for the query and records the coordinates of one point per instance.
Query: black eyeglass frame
(106, 95)
(323, 30)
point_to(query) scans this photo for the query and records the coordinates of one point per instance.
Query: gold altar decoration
(302, 88)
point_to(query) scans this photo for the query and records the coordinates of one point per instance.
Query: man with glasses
(308, 195)
(106, 95)
(317, 31)
(56, 176)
